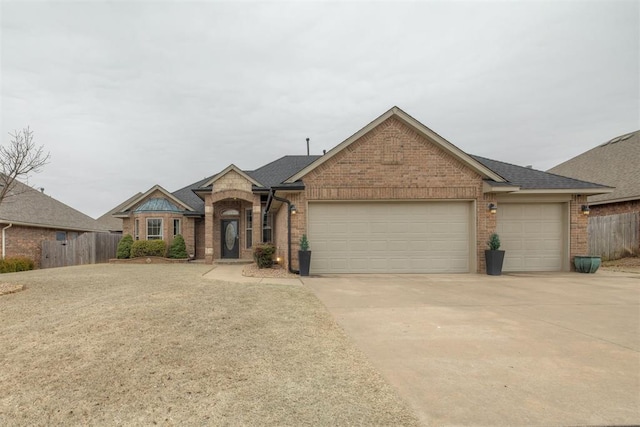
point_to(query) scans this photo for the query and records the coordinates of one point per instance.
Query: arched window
(231, 212)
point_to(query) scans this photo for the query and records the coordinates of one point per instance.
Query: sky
(129, 94)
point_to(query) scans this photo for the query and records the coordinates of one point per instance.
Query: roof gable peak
(228, 169)
(423, 130)
(164, 192)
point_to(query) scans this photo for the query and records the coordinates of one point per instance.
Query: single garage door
(533, 236)
(389, 237)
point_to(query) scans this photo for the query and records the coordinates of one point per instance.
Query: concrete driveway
(536, 349)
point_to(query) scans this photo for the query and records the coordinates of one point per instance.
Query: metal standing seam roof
(157, 205)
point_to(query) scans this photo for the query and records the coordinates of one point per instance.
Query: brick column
(208, 230)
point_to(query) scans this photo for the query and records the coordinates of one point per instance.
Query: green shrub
(148, 248)
(124, 247)
(178, 248)
(11, 265)
(494, 242)
(263, 255)
(304, 243)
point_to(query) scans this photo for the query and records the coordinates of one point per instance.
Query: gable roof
(30, 207)
(112, 223)
(529, 179)
(141, 197)
(613, 163)
(417, 126)
(228, 169)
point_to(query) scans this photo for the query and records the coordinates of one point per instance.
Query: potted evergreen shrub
(304, 256)
(493, 256)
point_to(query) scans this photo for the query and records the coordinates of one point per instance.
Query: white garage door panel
(532, 235)
(397, 237)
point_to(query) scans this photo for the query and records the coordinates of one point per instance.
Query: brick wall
(579, 244)
(615, 208)
(27, 241)
(394, 162)
(187, 226)
(232, 180)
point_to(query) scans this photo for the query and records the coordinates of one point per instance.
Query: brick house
(615, 223)
(614, 163)
(395, 197)
(28, 217)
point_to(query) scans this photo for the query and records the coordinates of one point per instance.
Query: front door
(230, 238)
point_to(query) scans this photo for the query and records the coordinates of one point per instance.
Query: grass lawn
(147, 344)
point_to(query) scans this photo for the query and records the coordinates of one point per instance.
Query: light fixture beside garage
(493, 208)
(585, 210)
(293, 209)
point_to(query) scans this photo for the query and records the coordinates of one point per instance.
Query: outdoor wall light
(493, 208)
(585, 210)
(278, 259)
(293, 209)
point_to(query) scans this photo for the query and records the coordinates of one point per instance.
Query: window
(176, 227)
(267, 221)
(248, 227)
(154, 228)
(73, 235)
(61, 236)
(136, 230)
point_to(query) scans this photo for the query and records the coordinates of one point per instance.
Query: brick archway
(232, 194)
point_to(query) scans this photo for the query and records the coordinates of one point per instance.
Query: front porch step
(233, 261)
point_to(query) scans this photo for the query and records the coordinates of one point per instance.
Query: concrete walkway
(233, 273)
(529, 349)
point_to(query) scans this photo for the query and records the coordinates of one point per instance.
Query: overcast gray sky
(128, 94)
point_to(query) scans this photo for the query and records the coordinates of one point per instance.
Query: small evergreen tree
(124, 247)
(178, 248)
(494, 242)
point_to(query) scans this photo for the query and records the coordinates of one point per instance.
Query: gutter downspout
(3, 239)
(272, 195)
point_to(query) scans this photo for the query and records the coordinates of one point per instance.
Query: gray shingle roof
(112, 223)
(269, 175)
(31, 207)
(529, 179)
(187, 195)
(279, 170)
(614, 163)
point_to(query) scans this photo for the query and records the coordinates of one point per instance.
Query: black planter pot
(494, 260)
(304, 258)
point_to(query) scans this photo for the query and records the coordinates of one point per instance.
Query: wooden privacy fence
(88, 248)
(614, 236)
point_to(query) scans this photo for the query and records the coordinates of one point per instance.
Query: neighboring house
(395, 197)
(28, 217)
(615, 163)
(112, 223)
(614, 226)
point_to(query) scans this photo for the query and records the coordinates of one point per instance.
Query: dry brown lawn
(160, 344)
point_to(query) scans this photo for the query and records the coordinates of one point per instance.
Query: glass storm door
(230, 238)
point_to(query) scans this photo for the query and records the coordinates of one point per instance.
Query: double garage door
(431, 237)
(393, 237)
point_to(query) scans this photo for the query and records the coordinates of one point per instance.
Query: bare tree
(18, 159)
